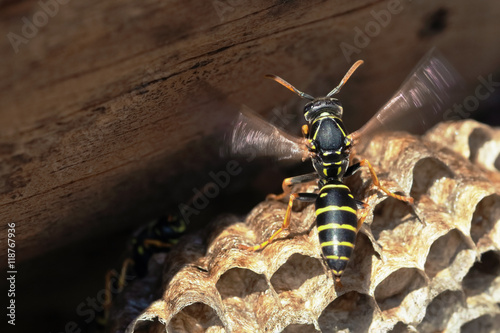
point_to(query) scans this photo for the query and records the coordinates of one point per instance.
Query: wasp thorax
(323, 104)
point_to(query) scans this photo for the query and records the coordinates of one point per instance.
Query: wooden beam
(111, 109)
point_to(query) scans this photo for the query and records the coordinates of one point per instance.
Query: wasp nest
(431, 267)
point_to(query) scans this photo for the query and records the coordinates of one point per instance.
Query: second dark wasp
(419, 101)
(157, 236)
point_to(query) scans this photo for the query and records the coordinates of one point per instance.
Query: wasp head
(318, 106)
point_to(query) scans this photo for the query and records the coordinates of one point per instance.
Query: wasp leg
(306, 197)
(377, 183)
(305, 130)
(108, 285)
(363, 207)
(289, 182)
(123, 273)
(157, 243)
(352, 169)
(121, 281)
(107, 295)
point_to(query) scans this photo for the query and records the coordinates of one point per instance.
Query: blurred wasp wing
(420, 101)
(253, 136)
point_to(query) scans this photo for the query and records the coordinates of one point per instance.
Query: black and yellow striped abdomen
(337, 222)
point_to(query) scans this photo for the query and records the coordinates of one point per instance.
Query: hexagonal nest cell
(431, 267)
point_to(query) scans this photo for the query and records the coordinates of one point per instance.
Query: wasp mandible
(327, 143)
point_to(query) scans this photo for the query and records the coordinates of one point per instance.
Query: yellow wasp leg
(123, 273)
(286, 186)
(121, 284)
(361, 220)
(288, 182)
(156, 243)
(284, 226)
(305, 130)
(377, 183)
(107, 294)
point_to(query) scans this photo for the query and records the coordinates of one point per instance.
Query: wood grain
(112, 110)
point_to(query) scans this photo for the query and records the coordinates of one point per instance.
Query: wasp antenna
(289, 86)
(346, 77)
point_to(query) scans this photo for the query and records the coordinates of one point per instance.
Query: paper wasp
(159, 235)
(422, 96)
